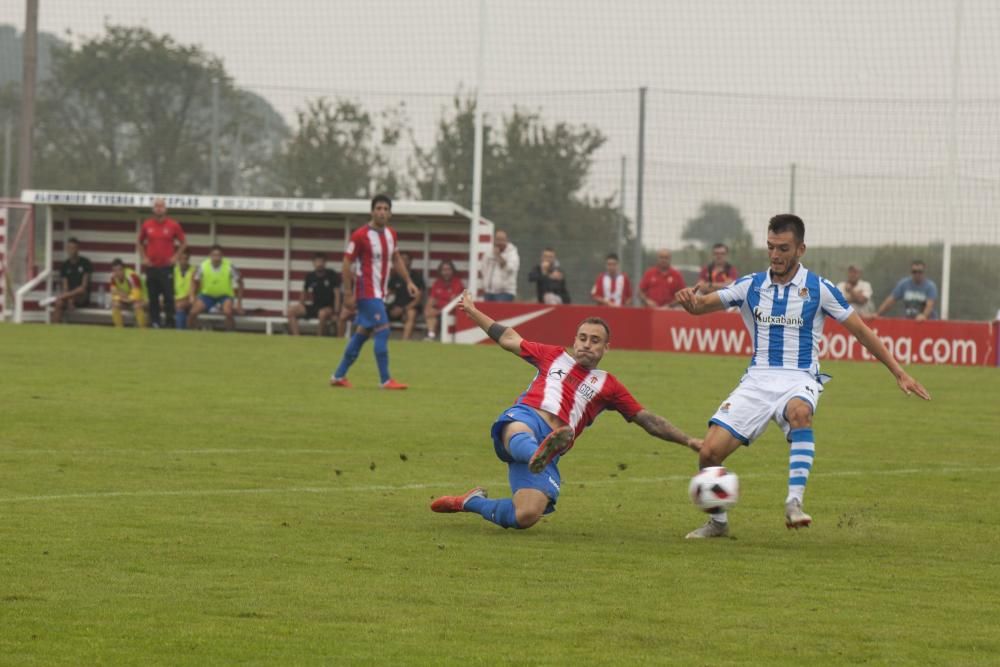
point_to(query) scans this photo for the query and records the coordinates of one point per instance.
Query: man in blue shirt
(918, 293)
(783, 309)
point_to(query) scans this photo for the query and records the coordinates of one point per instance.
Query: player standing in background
(564, 398)
(366, 280)
(161, 241)
(783, 308)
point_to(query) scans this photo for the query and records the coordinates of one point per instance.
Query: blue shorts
(211, 302)
(371, 314)
(548, 481)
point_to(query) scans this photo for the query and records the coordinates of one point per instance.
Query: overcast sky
(421, 51)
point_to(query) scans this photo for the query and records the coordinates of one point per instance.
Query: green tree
(534, 185)
(132, 110)
(718, 222)
(339, 150)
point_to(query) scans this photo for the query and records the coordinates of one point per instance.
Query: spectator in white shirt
(857, 292)
(499, 269)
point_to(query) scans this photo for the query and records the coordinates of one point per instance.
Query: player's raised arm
(867, 337)
(659, 427)
(698, 304)
(504, 336)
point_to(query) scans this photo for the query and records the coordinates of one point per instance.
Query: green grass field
(204, 498)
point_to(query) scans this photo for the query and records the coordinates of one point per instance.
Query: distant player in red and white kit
(366, 281)
(564, 398)
(612, 287)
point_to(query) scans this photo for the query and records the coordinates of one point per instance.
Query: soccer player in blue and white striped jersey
(783, 309)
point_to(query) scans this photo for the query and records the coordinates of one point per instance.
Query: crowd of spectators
(182, 292)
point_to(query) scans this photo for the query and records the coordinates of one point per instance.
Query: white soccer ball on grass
(714, 488)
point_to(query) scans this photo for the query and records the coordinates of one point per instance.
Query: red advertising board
(933, 342)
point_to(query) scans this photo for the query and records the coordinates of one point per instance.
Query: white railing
(446, 320)
(24, 290)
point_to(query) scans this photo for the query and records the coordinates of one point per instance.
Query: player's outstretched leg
(800, 461)
(555, 444)
(351, 352)
(520, 512)
(719, 443)
(451, 504)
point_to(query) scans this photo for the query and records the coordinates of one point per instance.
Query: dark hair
(449, 263)
(381, 199)
(72, 239)
(784, 222)
(720, 245)
(215, 247)
(918, 261)
(612, 255)
(319, 255)
(548, 248)
(186, 253)
(117, 262)
(600, 322)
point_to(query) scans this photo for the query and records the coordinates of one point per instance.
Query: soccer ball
(714, 488)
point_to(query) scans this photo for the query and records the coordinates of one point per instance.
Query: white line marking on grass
(446, 485)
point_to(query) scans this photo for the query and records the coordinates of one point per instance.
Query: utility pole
(640, 173)
(29, 74)
(214, 186)
(621, 212)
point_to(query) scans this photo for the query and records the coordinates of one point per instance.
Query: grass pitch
(198, 498)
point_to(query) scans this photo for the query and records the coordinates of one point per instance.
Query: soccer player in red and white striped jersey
(564, 398)
(370, 252)
(612, 288)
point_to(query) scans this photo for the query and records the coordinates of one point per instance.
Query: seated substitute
(127, 291)
(320, 299)
(75, 274)
(217, 283)
(566, 395)
(445, 288)
(398, 303)
(183, 275)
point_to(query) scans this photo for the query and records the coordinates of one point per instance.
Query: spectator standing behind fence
(499, 269)
(403, 306)
(183, 274)
(75, 273)
(918, 293)
(612, 287)
(161, 240)
(446, 287)
(540, 274)
(556, 292)
(217, 283)
(320, 298)
(126, 292)
(718, 273)
(858, 292)
(660, 284)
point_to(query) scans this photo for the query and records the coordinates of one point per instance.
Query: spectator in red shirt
(161, 241)
(445, 288)
(718, 273)
(660, 284)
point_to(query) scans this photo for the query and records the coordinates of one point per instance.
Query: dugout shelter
(270, 240)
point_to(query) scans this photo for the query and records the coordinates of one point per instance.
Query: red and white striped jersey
(574, 394)
(370, 253)
(617, 290)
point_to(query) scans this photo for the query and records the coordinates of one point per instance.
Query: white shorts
(762, 396)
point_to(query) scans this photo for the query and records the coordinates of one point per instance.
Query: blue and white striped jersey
(786, 321)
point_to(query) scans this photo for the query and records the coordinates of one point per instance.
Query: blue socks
(522, 446)
(800, 461)
(180, 319)
(351, 353)
(381, 354)
(501, 512)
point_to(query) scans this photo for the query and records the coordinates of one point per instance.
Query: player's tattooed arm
(659, 427)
